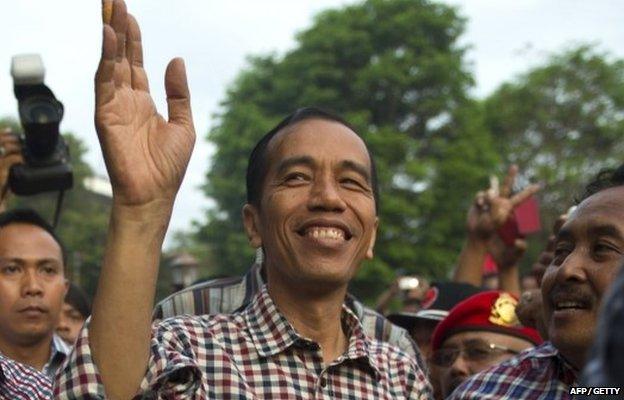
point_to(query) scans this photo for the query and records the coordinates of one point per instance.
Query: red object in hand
(525, 220)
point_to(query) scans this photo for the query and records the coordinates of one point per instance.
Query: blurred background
(446, 93)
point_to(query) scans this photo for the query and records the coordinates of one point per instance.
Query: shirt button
(323, 382)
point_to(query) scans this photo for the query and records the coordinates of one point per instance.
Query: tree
(395, 71)
(84, 217)
(561, 122)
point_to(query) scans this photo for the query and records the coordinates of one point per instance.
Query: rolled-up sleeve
(173, 371)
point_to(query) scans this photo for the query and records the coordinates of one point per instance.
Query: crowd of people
(289, 329)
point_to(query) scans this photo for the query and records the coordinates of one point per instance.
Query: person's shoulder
(522, 375)
(378, 327)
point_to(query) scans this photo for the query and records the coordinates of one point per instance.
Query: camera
(46, 165)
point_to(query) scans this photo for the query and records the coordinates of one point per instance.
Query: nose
(31, 285)
(573, 267)
(325, 195)
(460, 367)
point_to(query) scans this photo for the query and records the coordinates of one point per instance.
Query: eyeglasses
(476, 350)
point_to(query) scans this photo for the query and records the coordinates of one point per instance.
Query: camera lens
(40, 111)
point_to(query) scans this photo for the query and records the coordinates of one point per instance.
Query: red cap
(493, 311)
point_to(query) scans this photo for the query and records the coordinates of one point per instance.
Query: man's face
(70, 323)
(317, 218)
(588, 252)
(32, 284)
(477, 355)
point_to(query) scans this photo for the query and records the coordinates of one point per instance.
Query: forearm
(121, 322)
(509, 278)
(470, 264)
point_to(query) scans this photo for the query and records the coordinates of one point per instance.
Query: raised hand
(10, 154)
(491, 208)
(146, 155)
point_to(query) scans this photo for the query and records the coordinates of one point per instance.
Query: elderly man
(479, 332)
(312, 208)
(588, 254)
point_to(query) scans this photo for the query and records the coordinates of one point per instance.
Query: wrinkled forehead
(605, 208)
(319, 139)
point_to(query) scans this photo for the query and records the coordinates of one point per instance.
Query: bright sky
(214, 37)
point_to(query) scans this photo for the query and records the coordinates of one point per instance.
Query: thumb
(178, 95)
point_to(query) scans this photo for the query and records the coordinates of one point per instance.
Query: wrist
(145, 221)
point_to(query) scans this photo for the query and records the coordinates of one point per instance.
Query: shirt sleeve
(173, 371)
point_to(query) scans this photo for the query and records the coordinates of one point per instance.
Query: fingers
(525, 194)
(107, 11)
(134, 53)
(178, 96)
(104, 82)
(119, 23)
(510, 178)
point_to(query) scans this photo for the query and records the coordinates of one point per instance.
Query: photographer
(10, 154)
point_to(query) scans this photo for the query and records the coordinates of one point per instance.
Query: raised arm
(146, 157)
(489, 211)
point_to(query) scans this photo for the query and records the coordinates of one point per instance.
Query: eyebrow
(600, 230)
(358, 168)
(606, 230)
(287, 163)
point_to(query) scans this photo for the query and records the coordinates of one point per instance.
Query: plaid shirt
(228, 295)
(539, 373)
(252, 354)
(21, 382)
(60, 351)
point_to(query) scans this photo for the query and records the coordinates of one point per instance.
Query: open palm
(146, 155)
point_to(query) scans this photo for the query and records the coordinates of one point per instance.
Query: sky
(505, 38)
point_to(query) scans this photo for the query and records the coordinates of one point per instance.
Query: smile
(318, 232)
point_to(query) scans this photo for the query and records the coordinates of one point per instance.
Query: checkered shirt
(228, 295)
(539, 373)
(254, 354)
(59, 352)
(21, 382)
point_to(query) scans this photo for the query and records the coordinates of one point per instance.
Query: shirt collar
(59, 351)
(567, 372)
(273, 334)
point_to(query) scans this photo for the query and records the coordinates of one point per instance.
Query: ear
(251, 221)
(369, 251)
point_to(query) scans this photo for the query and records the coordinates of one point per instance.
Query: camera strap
(57, 211)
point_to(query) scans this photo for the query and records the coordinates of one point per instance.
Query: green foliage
(395, 71)
(561, 122)
(84, 216)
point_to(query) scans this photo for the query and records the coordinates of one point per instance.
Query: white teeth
(568, 304)
(326, 233)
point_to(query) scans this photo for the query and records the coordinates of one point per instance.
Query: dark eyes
(296, 177)
(10, 269)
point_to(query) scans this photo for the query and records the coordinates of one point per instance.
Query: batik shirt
(227, 295)
(21, 382)
(255, 354)
(540, 373)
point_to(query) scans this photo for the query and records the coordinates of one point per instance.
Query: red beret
(493, 311)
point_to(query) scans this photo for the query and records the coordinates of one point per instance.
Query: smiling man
(311, 207)
(32, 287)
(589, 250)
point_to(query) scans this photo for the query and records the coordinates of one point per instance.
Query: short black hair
(31, 217)
(606, 179)
(77, 298)
(257, 167)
